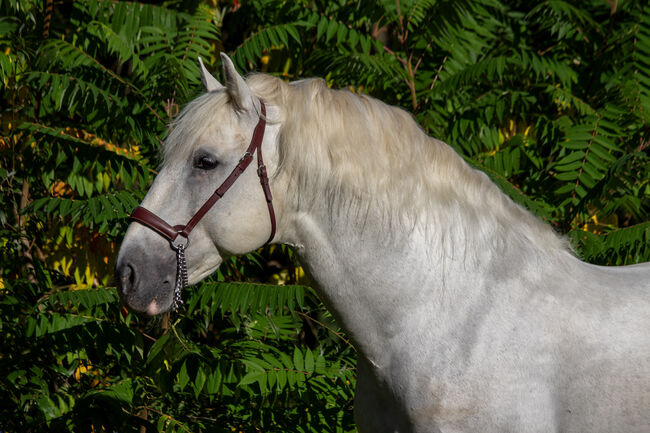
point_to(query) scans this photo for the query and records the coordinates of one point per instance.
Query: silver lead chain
(181, 276)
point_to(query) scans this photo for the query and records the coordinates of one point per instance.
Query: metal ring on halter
(175, 244)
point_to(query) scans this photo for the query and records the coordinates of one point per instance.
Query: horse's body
(541, 343)
(468, 314)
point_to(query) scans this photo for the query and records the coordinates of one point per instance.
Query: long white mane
(363, 155)
(358, 152)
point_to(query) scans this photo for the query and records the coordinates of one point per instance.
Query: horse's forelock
(192, 122)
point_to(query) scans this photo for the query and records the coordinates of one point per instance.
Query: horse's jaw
(204, 269)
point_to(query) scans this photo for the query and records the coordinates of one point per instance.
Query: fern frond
(275, 371)
(71, 57)
(86, 299)
(193, 41)
(101, 211)
(247, 298)
(617, 247)
(418, 12)
(564, 98)
(563, 19)
(641, 74)
(591, 148)
(53, 323)
(74, 93)
(111, 152)
(118, 44)
(276, 36)
(487, 69)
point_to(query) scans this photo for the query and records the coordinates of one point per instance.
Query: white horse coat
(468, 314)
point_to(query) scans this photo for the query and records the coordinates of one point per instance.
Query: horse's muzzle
(145, 279)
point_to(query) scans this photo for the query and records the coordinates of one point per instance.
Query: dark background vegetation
(551, 99)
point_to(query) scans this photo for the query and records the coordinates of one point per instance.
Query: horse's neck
(384, 287)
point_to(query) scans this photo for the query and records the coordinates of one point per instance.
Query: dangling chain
(181, 275)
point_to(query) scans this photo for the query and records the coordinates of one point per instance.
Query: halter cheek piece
(172, 233)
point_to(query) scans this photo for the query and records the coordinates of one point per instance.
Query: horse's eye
(205, 162)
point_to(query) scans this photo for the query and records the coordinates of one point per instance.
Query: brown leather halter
(151, 220)
(171, 233)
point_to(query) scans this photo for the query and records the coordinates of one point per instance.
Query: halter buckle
(245, 156)
(261, 172)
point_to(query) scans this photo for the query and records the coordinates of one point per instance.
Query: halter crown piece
(172, 233)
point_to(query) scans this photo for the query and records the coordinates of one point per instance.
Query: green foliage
(551, 100)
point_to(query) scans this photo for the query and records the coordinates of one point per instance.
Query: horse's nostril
(126, 278)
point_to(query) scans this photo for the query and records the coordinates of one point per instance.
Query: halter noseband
(171, 233)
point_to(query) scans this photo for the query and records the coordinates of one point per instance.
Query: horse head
(206, 154)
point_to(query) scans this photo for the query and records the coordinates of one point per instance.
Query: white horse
(467, 312)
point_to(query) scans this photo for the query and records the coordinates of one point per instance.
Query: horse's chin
(151, 302)
(155, 308)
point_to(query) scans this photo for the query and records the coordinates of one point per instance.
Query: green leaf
(309, 362)
(298, 360)
(182, 377)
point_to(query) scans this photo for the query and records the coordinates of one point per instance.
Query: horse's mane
(361, 154)
(358, 152)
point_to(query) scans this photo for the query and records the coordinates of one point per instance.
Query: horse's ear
(209, 82)
(237, 88)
